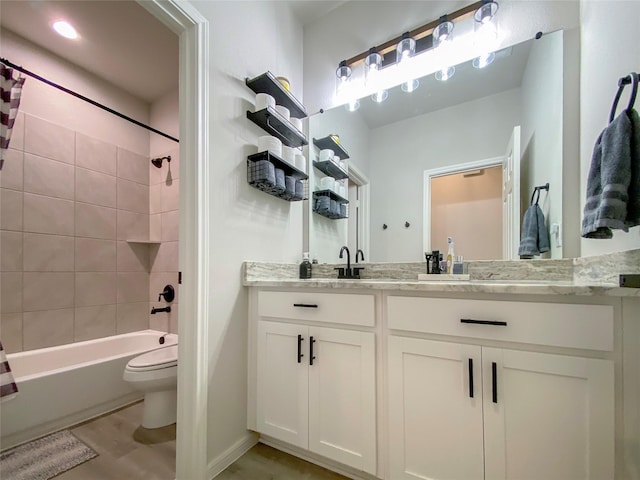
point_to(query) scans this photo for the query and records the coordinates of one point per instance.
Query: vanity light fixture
(343, 73)
(352, 105)
(404, 53)
(372, 65)
(483, 60)
(65, 29)
(442, 33)
(486, 12)
(445, 74)
(380, 96)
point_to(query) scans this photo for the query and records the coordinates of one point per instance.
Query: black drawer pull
(312, 357)
(305, 305)
(494, 382)
(471, 378)
(483, 322)
(300, 354)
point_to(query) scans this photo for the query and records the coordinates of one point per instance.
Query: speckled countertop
(594, 276)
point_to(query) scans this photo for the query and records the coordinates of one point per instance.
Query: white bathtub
(61, 386)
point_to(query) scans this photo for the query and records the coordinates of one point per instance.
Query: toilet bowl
(156, 374)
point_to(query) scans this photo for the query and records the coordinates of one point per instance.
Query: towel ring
(633, 79)
(537, 190)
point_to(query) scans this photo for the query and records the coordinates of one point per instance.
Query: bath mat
(44, 458)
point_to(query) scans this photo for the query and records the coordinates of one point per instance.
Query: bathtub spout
(155, 310)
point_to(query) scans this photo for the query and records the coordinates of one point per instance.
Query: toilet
(156, 374)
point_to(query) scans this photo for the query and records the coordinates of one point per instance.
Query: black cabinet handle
(300, 354)
(471, 378)
(305, 305)
(483, 322)
(494, 381)
(311, 355)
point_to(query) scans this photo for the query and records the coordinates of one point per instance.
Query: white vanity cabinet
(468, 409)
(315, 385)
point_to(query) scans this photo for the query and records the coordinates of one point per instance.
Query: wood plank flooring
(126, 451)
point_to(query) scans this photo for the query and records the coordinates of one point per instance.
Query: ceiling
(119, 41)
(308, 11)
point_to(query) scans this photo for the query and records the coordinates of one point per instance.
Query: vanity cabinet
(315, 386)
(469, 410)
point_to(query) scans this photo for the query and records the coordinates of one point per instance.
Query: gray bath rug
(44, 458)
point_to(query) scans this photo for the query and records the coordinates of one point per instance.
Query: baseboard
(231, 454)
(317, 459)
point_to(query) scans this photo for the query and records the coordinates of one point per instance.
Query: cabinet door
(435, 416)
(547, 416)
(342, 413)
(282, 393)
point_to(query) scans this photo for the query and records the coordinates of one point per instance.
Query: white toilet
(156, 374)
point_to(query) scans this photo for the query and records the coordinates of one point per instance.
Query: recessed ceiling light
(64, 28)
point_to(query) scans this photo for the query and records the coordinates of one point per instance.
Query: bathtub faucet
(155, 310)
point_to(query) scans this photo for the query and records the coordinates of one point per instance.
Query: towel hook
(633, 79)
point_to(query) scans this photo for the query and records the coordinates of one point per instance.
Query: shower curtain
(10, 92)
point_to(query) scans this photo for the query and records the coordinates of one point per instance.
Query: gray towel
(535, 237)
(610, 177)
(633, 205)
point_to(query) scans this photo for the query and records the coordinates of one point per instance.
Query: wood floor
(126, 451)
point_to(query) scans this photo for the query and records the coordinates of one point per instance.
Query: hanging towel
(633, 205)
(8, 387)
(535, 237)
(608, 181)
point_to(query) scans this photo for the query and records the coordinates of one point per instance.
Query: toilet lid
(161, 358)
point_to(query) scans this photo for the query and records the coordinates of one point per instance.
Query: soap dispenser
(450, 256)
(305, 266)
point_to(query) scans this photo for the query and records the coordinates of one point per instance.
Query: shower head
(157, 162)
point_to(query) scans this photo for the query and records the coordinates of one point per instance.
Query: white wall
(327, 236)
(44, 101)
(246, 39)
(454, 135)
(541, 141)
(604, 59)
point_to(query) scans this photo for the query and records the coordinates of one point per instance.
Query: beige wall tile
(17, 133)
(133, 226)
(94, 322)
(133, 287)
(95, 288)
(93, 255)
(10, 251)
(158, 321)
(11, 292)
(155, 199)
(47, 328)
(95, 222)
(134, 167)
(49, 140)
(47, 291)
(132, 257)
(132, 196)
(48, 215)
(157, 282)
(165, 258)
(170, 196)
(132, 317)
(11, 175)
(48, 253)
(170, 226)
(95, 188)
(48, 177)
(95, 154)
(11, 332)
(11, 209)
(155, 227)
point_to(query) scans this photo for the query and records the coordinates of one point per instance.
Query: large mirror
(430, 163)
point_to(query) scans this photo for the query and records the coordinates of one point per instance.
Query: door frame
(440, 172)
(195, 233)
(362, 183)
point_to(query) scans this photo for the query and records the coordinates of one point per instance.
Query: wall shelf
(331, 169)
(342, 202)
(267, 83)
(145, 242)
(275, 124)
(268, 186)
(330, 143)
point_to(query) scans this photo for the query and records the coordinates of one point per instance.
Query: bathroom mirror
(467, 120)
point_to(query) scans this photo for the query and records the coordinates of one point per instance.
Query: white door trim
(195, 232)
(439, 172)
(361, 180)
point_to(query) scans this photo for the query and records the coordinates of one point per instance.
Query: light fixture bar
(417, 33)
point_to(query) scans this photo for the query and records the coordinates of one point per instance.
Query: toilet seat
(161, 358)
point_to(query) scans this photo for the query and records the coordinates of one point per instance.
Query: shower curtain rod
(86, 99)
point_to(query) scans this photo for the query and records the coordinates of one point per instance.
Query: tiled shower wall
(68, 205)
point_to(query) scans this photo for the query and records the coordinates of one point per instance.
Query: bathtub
(61, 386)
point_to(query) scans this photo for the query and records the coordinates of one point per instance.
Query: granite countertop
(595, 276)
